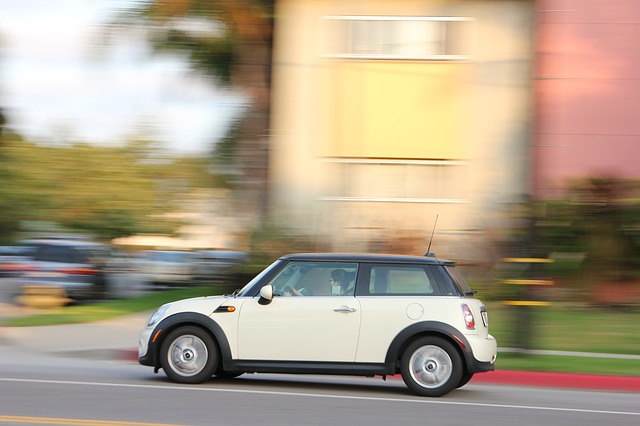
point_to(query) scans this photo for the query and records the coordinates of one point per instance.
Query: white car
(410, 315)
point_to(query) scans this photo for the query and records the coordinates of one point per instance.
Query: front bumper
(145, 356)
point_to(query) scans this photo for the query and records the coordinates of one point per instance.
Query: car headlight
(159, 313)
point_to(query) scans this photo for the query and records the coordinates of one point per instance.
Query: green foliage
(217, 41)
(229, 42)
(594, 233)
(14, 197)
(212, 56)
(108, 192)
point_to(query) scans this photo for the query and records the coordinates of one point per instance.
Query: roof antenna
(428, 253)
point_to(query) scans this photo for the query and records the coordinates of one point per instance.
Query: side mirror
(266, 294)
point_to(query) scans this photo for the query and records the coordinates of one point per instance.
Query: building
(387, 114)
(587, 92)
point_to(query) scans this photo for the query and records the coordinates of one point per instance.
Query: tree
(104, 191)
(235, 50)
(3, 122)
(10, 194)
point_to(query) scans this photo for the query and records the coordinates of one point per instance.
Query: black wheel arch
(429, 328)
(183, 319)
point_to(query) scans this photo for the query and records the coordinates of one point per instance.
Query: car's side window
(401, 280)
(306, 278)
(50, 253)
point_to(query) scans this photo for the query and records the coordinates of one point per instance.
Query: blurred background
(176, 132)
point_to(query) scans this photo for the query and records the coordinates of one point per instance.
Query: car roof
(367, 257)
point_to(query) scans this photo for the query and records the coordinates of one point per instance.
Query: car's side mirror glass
(266, 294)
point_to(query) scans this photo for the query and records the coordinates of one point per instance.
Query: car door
(317, 326)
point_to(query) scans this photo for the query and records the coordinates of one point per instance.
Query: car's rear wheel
(189, 355)
(431, 366)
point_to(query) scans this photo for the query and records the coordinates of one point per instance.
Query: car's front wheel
(431, 366)
(189, 355)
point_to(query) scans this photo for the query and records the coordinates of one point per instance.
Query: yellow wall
(394, 110)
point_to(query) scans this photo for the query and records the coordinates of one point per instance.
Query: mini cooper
(343, 314)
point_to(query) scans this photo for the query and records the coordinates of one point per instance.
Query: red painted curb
(559, 380)
(127, 355)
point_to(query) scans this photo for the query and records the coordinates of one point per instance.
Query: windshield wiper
(234, 294)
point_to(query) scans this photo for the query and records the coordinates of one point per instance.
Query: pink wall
(587, 92)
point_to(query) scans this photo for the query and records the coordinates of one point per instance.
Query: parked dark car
(12, 259)
(81, 269)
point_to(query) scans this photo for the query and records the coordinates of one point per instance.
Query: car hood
(204, 305)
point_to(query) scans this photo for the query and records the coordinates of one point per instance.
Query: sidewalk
(103, 339)
(117, 339)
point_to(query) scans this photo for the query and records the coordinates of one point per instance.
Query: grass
(557, 327)
(568, 364)
(567, 328)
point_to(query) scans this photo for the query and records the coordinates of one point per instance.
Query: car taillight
(469, 320)
(78, 271)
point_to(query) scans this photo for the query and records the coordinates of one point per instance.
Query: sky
(58, 82)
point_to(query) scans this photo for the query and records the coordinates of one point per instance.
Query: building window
(396, 181)
(379, 37)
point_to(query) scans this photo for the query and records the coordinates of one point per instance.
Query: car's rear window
(70, 254)
(459, 281)
(400, 280)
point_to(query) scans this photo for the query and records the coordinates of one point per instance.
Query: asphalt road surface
(53, 389)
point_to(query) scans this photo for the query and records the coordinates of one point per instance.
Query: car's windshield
(246, 289)
(316, 278)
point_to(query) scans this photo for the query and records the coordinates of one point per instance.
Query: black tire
(228, 375)
(431, 366)
(189, 355)
(466, 376)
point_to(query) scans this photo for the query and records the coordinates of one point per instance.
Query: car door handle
(344, 309)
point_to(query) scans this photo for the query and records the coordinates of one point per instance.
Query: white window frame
(377, 53)
(374, 162)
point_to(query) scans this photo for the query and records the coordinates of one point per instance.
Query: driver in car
(290, 291)
(340, 283)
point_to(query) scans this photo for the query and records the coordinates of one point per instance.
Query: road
(51, 389)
